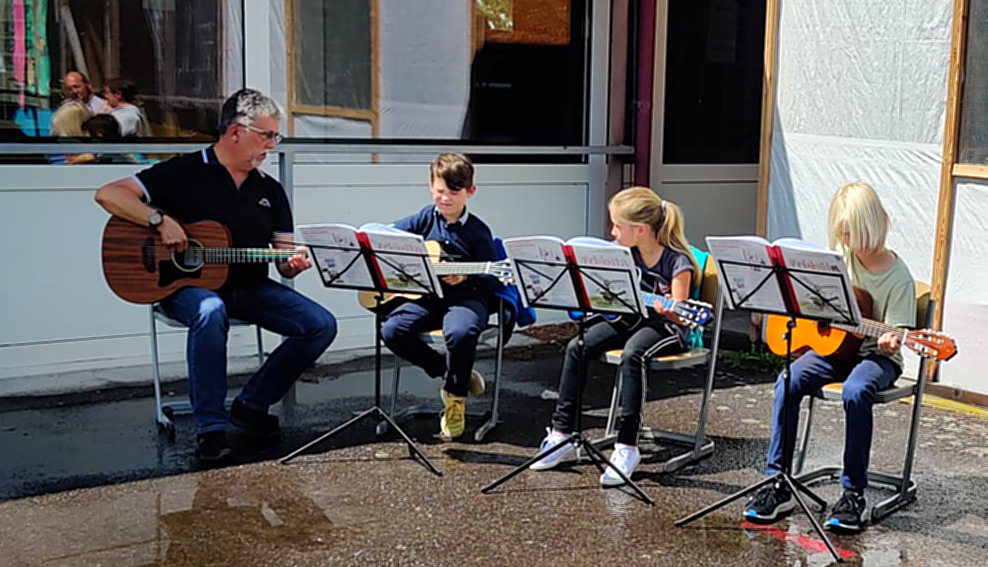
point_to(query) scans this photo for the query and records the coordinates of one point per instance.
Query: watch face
(155, 219)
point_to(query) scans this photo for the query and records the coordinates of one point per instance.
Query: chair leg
(163, 421)
(260, 346)
(905, 487)
(804, 438)
(382, 426)
(702, 447)
(498, 358)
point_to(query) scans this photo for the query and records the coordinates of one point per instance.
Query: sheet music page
(534, 280)
(332, 263)
(409, 271)
(610, 291)
(743, 262)
(813, 268)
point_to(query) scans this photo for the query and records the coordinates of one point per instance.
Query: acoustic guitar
(843, 341)
(389, 301)
(140, 268)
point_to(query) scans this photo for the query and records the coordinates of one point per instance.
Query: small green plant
(756, 359)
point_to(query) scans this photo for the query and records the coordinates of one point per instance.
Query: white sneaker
(477, 384)
(553, 438)
(624, 458)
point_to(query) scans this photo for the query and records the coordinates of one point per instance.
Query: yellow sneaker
(477, 384)
(453, 420)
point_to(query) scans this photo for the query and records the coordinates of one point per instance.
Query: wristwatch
(156, 218)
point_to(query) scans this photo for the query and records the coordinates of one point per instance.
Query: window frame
(370, 115)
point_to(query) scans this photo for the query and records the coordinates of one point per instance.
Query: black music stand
(581, 303)
(379, 286)
(840, 307)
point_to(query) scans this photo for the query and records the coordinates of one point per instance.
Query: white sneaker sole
(568, 456)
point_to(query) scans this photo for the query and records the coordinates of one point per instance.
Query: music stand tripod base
(785, 476)
(376, 409)
(583, 445)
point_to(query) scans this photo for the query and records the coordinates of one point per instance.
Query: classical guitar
(389, 301)
(842, 341)
(693, 313)
(140, 268)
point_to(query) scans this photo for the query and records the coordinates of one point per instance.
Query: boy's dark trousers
(461, 317)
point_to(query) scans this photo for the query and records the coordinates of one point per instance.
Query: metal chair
(901, 483)
(493, 333)
(700, 447)
(165, 411)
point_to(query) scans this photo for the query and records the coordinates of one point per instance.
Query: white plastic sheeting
(861, 95)
(965, 314)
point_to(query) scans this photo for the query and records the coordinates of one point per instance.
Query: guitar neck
(240, 255)
(462, 268)
(870, 328)
(651, 299)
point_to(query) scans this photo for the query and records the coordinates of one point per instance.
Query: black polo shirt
(196, 186)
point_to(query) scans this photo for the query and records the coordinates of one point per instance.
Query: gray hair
(245, 106)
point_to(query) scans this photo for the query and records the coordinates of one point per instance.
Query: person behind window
(223, 183)
(102, 128)
(77, 89)
(120, 103)
(68, 119)
(67, 123)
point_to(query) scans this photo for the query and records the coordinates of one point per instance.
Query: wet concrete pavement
(95, 484)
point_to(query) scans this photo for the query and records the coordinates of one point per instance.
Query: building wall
(59, 316)
(861, 95)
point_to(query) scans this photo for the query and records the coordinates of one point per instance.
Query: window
(331, 57)
(182, 56)
(713, 81)
(502, 71)
(973, 134)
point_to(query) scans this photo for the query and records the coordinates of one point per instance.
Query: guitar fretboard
(871, 329)
(235, 255)
(462, 268)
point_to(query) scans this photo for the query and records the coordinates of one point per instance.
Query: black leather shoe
(212, 449)
(257, 424)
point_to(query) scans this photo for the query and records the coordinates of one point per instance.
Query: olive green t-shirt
(893, 295)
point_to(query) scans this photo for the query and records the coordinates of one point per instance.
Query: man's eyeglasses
(269, 134)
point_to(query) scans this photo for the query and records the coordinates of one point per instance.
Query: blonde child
(857, 227)
(653, 229)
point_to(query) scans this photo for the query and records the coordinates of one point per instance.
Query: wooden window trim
(970, 170)
(370, 115)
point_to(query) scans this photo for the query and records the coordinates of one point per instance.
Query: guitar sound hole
(190, 260)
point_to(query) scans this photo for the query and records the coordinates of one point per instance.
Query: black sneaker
(212, 448)
(257, 424)
(847, 512)
(770, 503)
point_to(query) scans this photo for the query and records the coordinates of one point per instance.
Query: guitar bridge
(147, 255)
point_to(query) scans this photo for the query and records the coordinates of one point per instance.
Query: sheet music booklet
(399, 263)
(814, 284)
(606, 280)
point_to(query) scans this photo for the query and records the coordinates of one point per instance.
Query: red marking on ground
(802, 540)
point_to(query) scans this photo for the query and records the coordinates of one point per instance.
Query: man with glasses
(224, 183)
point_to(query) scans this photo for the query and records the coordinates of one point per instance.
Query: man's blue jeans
(307, 326)
(862, 378)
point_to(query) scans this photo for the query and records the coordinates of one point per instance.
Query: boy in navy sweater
(467, 300)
